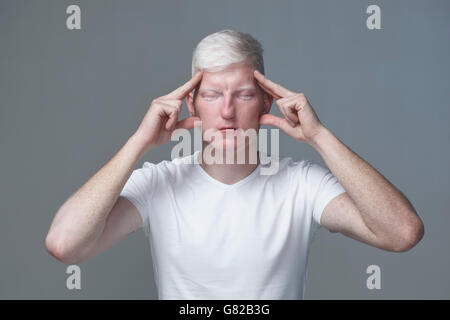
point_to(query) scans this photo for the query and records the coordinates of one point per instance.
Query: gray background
(70, 100)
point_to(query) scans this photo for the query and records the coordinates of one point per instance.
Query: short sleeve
(139, 189)
(322, 187)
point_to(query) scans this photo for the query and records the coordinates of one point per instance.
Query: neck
(229, 173)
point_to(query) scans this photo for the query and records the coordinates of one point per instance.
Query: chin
(226, 144)
(232, 145)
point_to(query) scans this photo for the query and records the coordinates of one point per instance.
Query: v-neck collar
(219, 183)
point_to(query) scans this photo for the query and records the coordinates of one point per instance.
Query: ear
(268, 100)
(190, 104)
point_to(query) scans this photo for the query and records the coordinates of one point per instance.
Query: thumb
(187, 123)
(271, 120)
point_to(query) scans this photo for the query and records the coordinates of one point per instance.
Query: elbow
(58, 250)
(412, 235)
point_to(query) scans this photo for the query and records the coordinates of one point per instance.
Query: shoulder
(170, 167)
(307, 169)
(284, 169)
(296, 166)
(176, 162)
(303, 172)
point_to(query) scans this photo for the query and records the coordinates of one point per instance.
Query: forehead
(230, 78)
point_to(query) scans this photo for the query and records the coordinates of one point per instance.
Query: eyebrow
(241, 88)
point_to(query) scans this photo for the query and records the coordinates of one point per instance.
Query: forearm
(384, 209)
(80, 220)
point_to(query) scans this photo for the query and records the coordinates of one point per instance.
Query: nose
(227, 109)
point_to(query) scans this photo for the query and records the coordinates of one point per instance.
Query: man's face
(229, 98)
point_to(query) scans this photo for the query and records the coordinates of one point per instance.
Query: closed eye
(241, 96)
(209, 98)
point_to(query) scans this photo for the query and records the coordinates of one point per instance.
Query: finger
(181, 92)
(293, 116)
(271, 120)
(290, 113)
(297, 104)
(267, 90)
(274, 87)
(171, 123)
(173, 102)
(187, 123)
(285, 114)
(171, 113)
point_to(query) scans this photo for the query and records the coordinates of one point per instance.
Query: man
(225, 231)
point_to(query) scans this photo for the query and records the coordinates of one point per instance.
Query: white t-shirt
(248, 240)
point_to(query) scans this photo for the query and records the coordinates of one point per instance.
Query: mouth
(224, 129)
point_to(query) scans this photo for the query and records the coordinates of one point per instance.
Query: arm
(372, 210)
(95, 217)
(78, 225)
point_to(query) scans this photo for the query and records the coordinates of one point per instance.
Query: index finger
(181, 92)
(272, 86)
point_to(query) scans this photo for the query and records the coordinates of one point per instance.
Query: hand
(162, 117)
(300, 121)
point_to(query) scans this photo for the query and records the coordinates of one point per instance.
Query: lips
(227, 128)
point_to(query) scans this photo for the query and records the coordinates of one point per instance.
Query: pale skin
(230, 97)
(95, 217)
(372, 210)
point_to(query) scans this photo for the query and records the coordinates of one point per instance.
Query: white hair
(225, 47)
